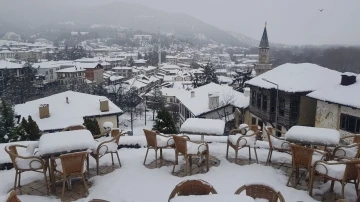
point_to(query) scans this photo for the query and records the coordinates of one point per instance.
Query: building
(48, 69)
(140, 62)
(338, 105)
(143, 83)
(291, 82)
(7, 54)
(71, 75)
(111, 78)
(143, 37)
(69, 108)
(125, 72)
(149, 70)
(263, 64)
(211, 101)
(170, 95)
(93, 72)
(13, 68)
(172, 60)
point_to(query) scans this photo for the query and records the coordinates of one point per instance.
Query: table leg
(201, 157)
(52, 178)
(88, 166)
(47, 164)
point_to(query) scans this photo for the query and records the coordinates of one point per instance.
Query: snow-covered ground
(138, 122)
(133, 182)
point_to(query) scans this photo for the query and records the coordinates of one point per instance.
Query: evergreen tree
(131, 62)
(164, 123)
(6, 121)
(139, 56)
(209, 75)
(32, 129)
(92, 125)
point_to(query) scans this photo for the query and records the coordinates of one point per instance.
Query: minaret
(159, 49)
(263, 64)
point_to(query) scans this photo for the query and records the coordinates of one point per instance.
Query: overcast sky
(289, 21)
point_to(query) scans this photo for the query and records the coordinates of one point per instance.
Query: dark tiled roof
(264, 43)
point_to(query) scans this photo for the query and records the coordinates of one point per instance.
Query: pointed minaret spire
(264, 43)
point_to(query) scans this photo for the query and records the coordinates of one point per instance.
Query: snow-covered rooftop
(63, 114)
(122, 68)
(169, 67)
(9, 65)
(199, 103)
(71, 70)
(343, 95)
(304, 77)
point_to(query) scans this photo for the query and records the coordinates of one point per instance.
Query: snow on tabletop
(203, 126)
(302, 77)
(344, 95)
(213, 198)
(323, 136)
(66, 141)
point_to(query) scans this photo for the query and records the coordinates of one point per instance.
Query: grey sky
(289, 21)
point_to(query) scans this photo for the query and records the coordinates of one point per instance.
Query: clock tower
(263, 64)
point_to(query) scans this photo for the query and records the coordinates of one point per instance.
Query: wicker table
(213, 198)
(56, 144)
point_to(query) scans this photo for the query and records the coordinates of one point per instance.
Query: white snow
(63, 114)
(5, 158)
(66, 141)
(108, 124)
(317, 136)
(344, 95)
(213, 198)
(280, 144)
(9, 65)
(203, 126)
(199, 104)
(194, 148)
(71, 70)
(335, 171)
(164, 141)
(304, 77)
(350, 152)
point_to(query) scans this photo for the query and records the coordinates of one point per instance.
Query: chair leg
(249, 155)
(356, 187)
(86, 187)
(147, 151)
(112, 159)
(63, 188)
(16, 175)
(186, 165)
(332, 186)
(227, 151)
(97, 165)
(88, 165)
(19, 179)
(268, 157)
(342, 190)
(161, 155)
(190, 164)
(156, 159)
(236, 155)
(207, 162)
(292, 172)
(46, 183)
(311, 182)
(175, 162)
(117, 154)
(257, 160)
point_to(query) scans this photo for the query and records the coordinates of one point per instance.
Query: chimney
(104, 105)
(213, 100)
(348, 78)
(44, 111)
(192, 94)
(247, 92)
(67, 100)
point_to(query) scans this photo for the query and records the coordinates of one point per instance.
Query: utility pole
(159, 49)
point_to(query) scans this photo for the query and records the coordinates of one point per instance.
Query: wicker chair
(241, 138)
(70, 165)
(192, 187)
(74, 127)
(25, 163)
(189, 149)
(303, 157)
(276, 143)
(108, 146)
(262, 192)
(11, 197)
(351, 151)
(356, 138)
(157, 141)
(340, 171)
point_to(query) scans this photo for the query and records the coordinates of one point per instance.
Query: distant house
(171, 59)
(139, 62)
(125, 72)
(93, 72)
(56, 112)
(211, 101)
(48, 69)
(294, 82)
(338, 105)
(71, 75)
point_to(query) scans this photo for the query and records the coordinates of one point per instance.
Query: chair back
(12, 151)
(351, 170)
(73, 163)
(262, 192)
(75, 127)
(180, 144)
(116, 132)
(150, 138)
(11, 197)
(269, 132)
(356, 138)
(301, 156)
(192, 187)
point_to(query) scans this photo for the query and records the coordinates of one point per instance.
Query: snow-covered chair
(70, 165)
(241, 138)
(25, 162)
(192, 187)
(276, 143)
(343, 171)
(351, 151)
(157, 141)
(107, 145)
(303, 158)
(11, 197)
(355, 138)
(75, 127)
(189, 149)
(260, 191)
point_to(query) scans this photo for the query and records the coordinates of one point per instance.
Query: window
(281, 106)
(253, 97)
(294, 108)
(258, 100)
(279, 128)
(171, 99)
(264, 102)
(350, 123)
(253, 121)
